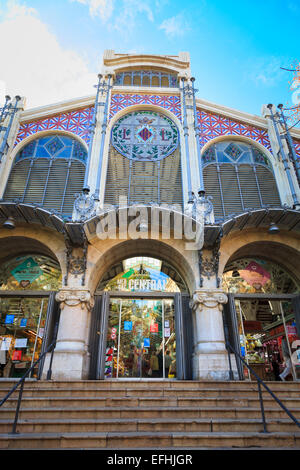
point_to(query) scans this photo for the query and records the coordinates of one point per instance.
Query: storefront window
(269, 339)
(22, 327)
(23, 316)
(141, 339)
(266, 326)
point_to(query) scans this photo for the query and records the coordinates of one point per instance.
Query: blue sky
(53, 48)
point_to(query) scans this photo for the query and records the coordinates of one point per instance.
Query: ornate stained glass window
(233, 151)
(144, 160)
(238, 176)
(145, 135)
(48, 171)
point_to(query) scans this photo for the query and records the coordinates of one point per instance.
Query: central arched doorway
(144, 322)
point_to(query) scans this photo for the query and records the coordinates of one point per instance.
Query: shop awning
(284, 218)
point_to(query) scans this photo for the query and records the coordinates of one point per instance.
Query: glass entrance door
(141, 339)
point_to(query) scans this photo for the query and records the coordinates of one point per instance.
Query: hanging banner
(255, 275)
(27, 272)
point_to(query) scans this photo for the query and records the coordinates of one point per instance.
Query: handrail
(260, 383)
(21, 382)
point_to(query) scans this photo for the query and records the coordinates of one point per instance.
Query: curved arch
(152, 248)
(26, 240)
(143, 107)
(243, 139)
(283, 249)
(40, 134)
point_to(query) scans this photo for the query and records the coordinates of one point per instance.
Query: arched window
(146, 77)
(48, 171)
(238, 176)
(144, 160)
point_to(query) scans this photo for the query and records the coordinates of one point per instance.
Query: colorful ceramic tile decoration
(233, 151)
(145, 135)
(297, 147)
(214, 125)
(120, 101)
(77, 122)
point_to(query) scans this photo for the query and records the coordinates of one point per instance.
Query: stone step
(110, 402)
(147, 425)
(147, 384)
(133, 440)
(178, 412)
(157, 392)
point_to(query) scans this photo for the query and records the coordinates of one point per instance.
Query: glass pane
(290, 344)
(22, 323)
(141, 339)
(170, 339)
(263, 325)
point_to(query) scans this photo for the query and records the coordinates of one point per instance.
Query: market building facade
(144, 229)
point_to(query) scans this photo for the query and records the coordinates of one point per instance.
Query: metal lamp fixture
(273, 229)
(9, 223)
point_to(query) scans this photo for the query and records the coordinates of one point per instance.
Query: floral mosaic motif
(259, 157)
(209, 156)
(233, 151)
(297, 148)
(214, 125)
(144, 135)
(121, 101)
(78, 122)
(54, 146)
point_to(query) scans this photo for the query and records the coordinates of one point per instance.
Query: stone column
(210, 355)
(70, 355)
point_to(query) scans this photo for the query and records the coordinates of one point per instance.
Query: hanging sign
(5, 345)
(9, 319)
(127, 325)
(167, 332)
(255, 275)
(16, 356)
(146, 342)
(154, 328)
(142, 284)
(21, 343)
(113, 333)
(27, 272)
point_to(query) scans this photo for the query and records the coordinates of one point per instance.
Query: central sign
(145, 135)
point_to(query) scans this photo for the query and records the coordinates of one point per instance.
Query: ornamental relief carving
(208, 299)
(72, 298)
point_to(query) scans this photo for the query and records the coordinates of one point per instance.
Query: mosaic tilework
(77, 122)
(297, 147)
(214, 125)
(120, 101)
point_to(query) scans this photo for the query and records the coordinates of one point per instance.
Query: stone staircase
(145, 414)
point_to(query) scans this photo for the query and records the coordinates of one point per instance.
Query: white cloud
(265, 71)
(124, 17)
(175, 26)
(101, 8)
(35, 65)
